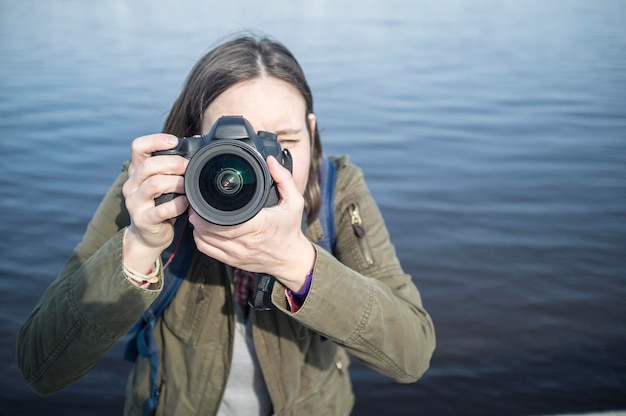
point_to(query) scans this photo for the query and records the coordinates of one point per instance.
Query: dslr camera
(227, 180)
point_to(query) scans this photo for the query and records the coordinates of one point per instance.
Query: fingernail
(172, 140)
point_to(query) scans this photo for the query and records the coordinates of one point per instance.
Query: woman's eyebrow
(287, 132)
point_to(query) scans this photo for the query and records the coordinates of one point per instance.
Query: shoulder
(342, 162)
(350, 177)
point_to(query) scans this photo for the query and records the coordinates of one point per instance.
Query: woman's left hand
(272, 242)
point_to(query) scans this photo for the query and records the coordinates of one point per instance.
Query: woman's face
(270, 104)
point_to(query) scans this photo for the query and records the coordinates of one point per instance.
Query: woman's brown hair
(238, 60)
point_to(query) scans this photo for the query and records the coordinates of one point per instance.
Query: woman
(217, 355)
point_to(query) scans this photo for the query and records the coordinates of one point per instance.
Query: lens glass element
(227, 182)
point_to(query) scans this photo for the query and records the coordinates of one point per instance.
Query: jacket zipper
(359, 231)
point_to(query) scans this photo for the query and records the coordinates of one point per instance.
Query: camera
(227, 181)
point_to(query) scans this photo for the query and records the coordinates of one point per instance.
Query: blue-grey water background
(492, 133)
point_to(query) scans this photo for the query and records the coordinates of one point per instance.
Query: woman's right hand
(151, 227)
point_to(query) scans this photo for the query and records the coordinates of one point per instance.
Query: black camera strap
(262, 298)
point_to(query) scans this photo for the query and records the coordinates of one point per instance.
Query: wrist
(144, 280)
(137, 255)
(307, 286)
(300, 268)
(296, 299)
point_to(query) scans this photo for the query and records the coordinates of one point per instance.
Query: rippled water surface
(492, 133)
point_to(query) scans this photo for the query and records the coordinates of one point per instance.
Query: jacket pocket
(184, 316)
(327, 391)
(359, 232)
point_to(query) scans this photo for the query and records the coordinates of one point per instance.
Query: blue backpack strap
(328, 177)
(142, 341)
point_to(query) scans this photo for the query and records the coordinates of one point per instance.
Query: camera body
(227, 181)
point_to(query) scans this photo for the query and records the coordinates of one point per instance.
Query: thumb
(282, 177)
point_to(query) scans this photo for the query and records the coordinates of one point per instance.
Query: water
(492, 133)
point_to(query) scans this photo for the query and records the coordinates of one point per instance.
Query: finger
(162, 165)
(171, 209)
(220, 236)
(157, 185)
(207, 235)
(286, 185)
(224, 250)
(212, 250)
(142, 147)
(155, 166)
(207, 228)
(142, 199)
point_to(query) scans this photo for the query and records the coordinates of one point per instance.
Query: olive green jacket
(360, 301)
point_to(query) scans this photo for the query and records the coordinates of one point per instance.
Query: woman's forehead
(268, 103)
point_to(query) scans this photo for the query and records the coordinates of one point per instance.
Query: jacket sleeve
(87, 309)
(375, 309)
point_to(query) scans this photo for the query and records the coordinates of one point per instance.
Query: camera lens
(227, 182)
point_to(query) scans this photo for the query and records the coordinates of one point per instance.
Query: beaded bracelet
(151, 277)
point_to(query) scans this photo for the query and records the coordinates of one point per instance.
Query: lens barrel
(227, 182)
